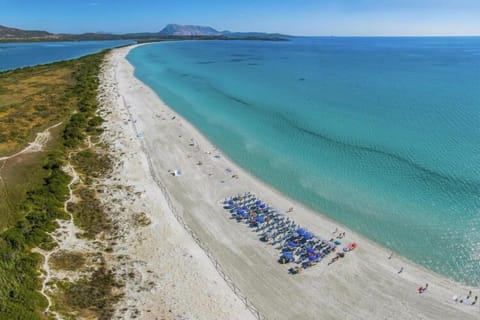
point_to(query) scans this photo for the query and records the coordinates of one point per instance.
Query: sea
(24, 54)
(379, 134)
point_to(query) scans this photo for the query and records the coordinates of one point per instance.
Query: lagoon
(24, 54)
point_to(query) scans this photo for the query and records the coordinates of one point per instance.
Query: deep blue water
(24, 54)
(380, 134)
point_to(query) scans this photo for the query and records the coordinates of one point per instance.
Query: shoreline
(364, 285)
(166, 275)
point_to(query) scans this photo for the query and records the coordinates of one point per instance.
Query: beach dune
(366, 284)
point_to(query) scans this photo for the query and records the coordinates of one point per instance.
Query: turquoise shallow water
(24, 54)
(380, 134)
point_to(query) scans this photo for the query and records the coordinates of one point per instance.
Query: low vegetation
(19, 283)
(32, 99)
(91, 163)
(67, 260)
(89, 214)
(89, 297)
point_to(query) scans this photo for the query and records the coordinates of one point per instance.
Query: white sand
(167, 275)
(364, 285)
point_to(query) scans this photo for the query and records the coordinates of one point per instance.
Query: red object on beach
(420, 290)
(352, 246)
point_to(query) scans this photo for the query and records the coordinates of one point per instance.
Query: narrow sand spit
(166, 274)
(150, 141)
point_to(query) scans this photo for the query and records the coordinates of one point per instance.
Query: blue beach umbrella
(292, 244)
(313, 258)
(288, 255)
(301, 231)
(260, 219)
(307, 235)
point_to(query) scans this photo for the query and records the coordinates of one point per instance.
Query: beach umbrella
(292, 244)
(288, 255)
(258, 202)
(301, 231)
(260, 219)
(244, 214)
(310, 250)
(307, 235)
(231, 202)
(262, 206)
(313, 258)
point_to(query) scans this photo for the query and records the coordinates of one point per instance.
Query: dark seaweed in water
(235, 60)
(205, 62)
(240, 55)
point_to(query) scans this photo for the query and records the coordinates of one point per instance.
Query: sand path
(364, 285)
(37, 145)
(65, 237)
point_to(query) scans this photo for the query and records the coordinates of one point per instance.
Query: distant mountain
(188, 30)
(13, 33)
(170, 32)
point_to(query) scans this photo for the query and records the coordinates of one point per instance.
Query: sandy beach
(190, 261)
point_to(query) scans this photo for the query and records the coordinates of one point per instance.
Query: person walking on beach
(401, 270)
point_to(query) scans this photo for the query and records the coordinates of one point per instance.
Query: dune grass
(67, 260)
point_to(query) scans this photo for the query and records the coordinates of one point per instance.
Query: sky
(295, 17)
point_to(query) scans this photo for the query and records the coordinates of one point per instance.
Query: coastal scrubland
(35, 187)
(31, 99)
